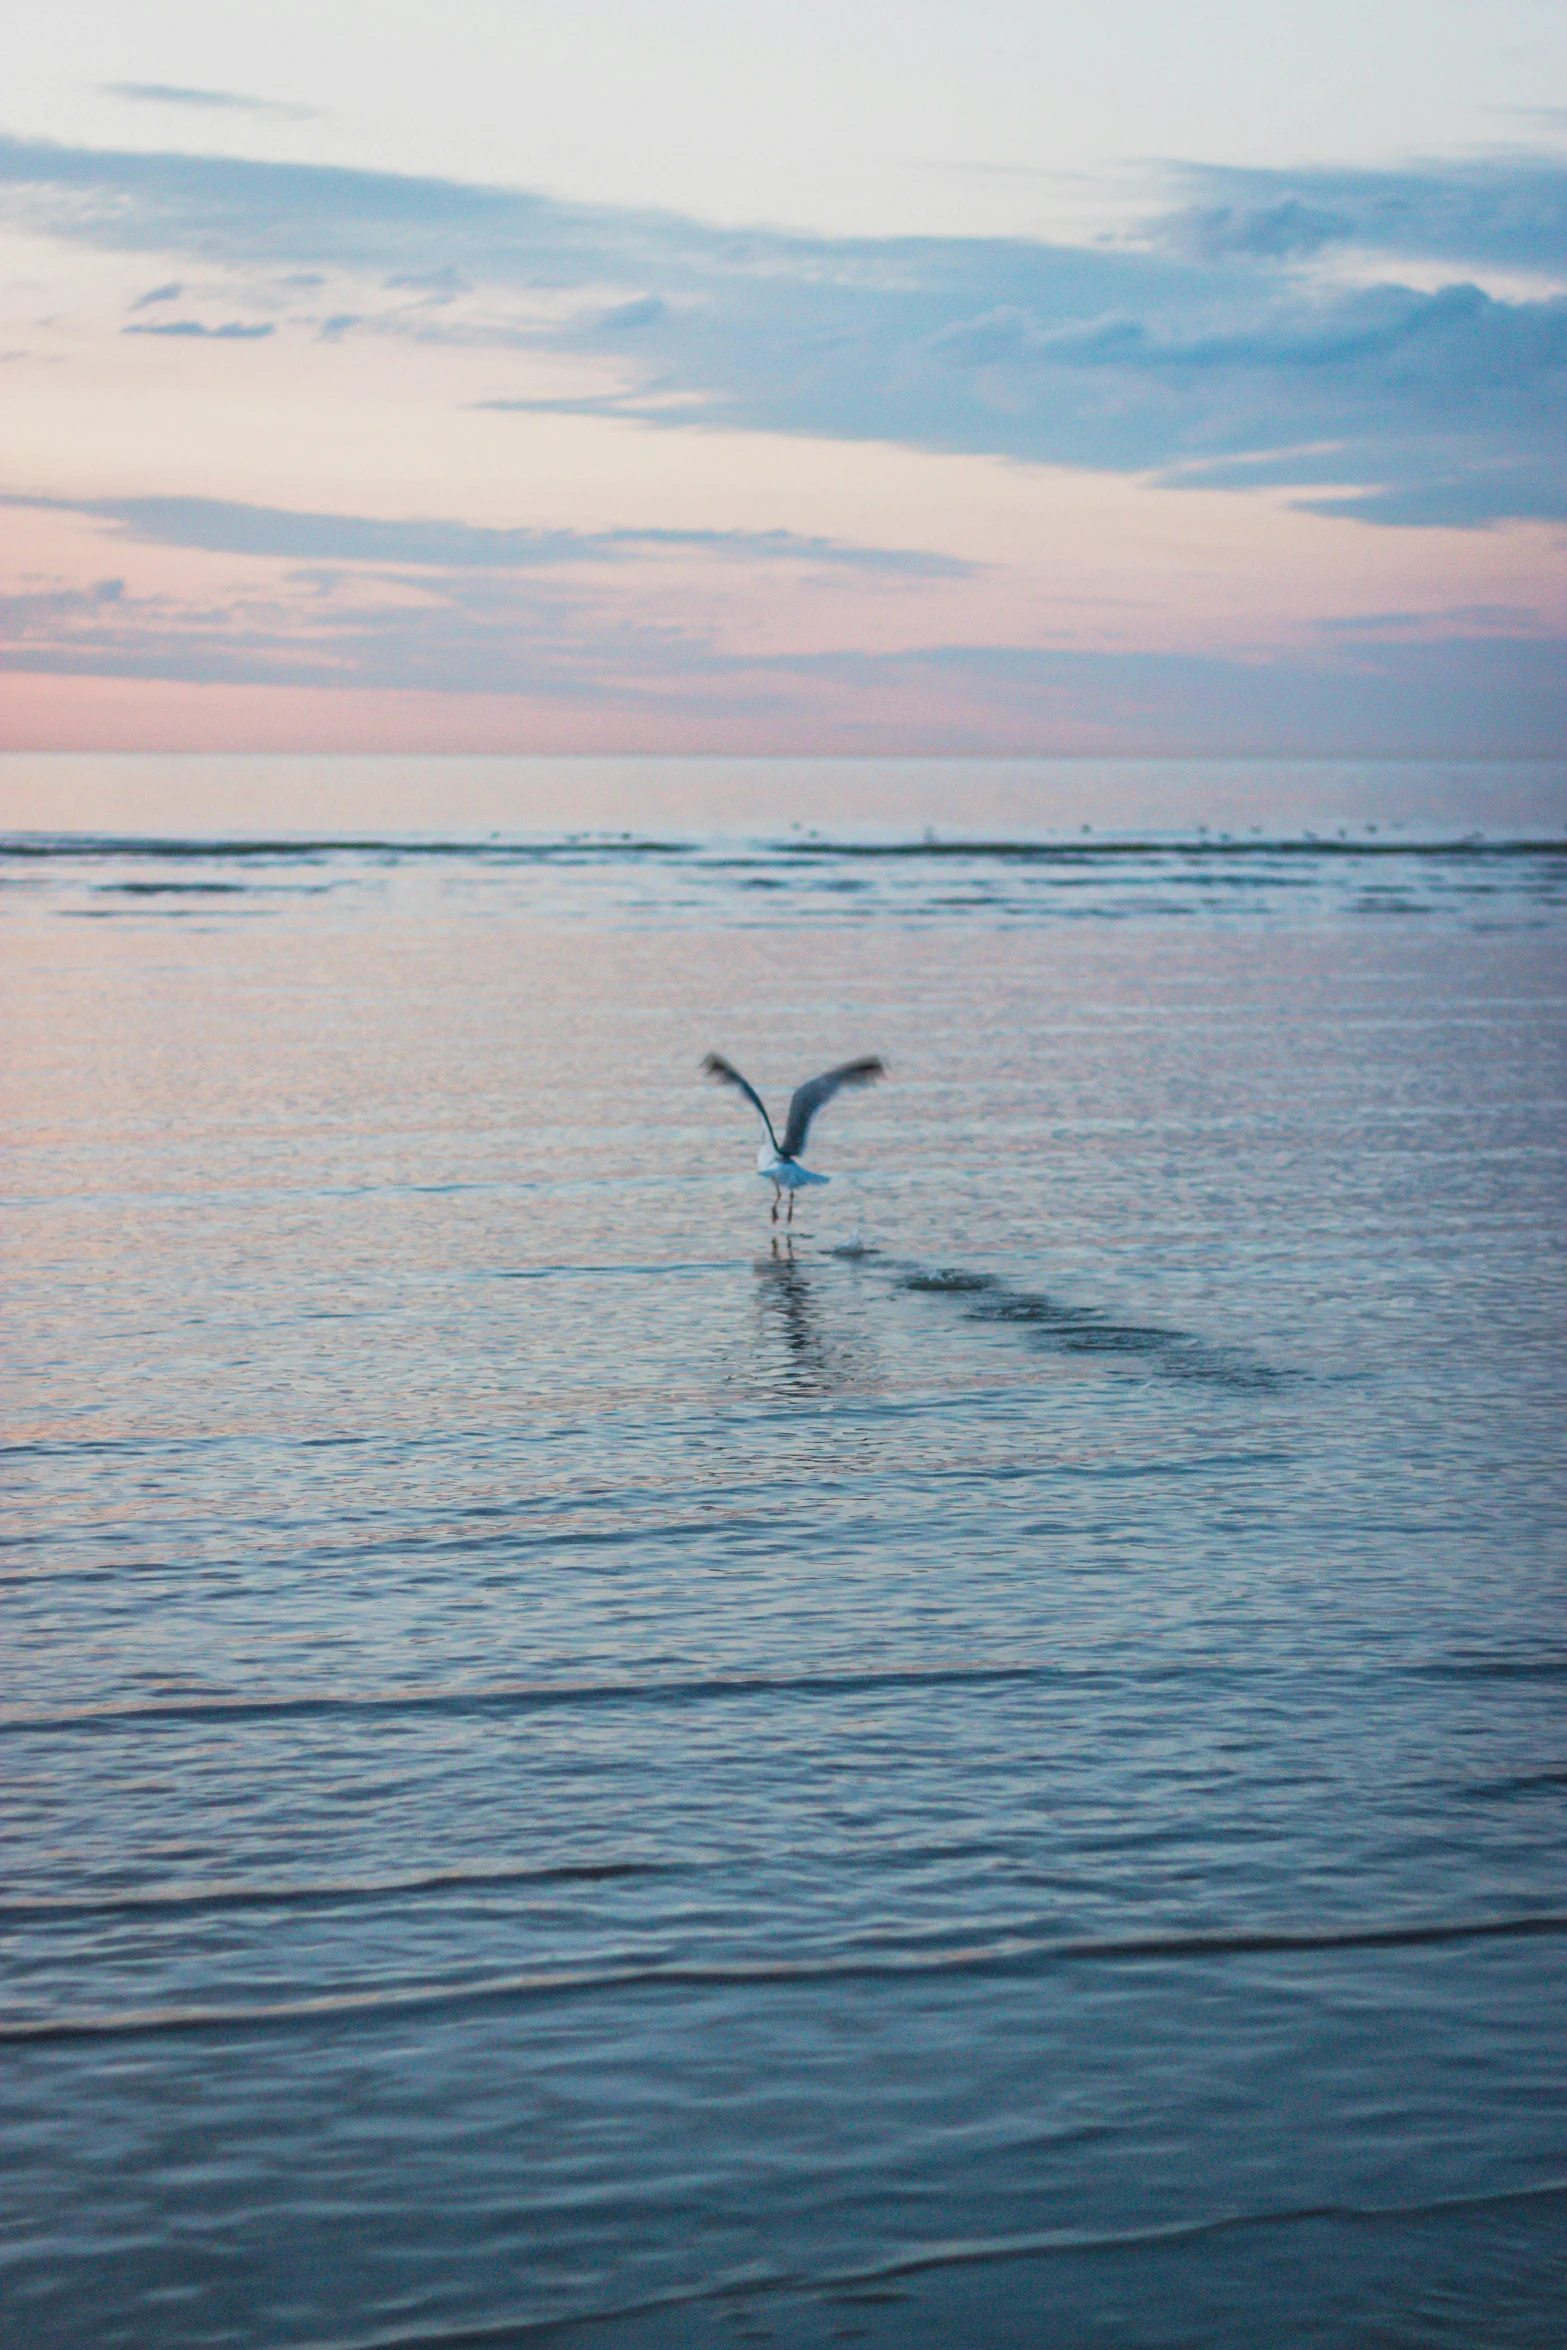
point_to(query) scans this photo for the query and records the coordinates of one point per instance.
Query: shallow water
(990, 1772)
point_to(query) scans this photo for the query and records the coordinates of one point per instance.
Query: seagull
(778, 1163)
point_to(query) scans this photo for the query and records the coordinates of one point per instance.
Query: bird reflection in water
(790, 1317)
(797, 1342)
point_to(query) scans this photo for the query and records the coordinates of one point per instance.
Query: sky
(850, 378)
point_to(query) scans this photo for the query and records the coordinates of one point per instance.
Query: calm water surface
(994, 1775)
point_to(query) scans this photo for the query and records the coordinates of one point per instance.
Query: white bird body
(788, 1174)
(778, 1163)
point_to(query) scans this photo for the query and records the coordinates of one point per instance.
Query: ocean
(984, 1771)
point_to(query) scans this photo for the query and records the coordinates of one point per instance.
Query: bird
(778, 1163)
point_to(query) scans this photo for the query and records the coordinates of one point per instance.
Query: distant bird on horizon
(778, 1163)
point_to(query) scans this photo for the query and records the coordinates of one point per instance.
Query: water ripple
(1009, 1954)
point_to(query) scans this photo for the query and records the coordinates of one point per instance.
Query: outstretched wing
(724, 1073)
(808, 1099)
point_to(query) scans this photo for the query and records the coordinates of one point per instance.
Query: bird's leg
(776, 1197)
(789, 1219)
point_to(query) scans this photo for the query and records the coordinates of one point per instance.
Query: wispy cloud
(500, 635)
(1458, 620)
(192, 329)
(225, 101)
(218, 527)
(1212, 343)
(1495, 212)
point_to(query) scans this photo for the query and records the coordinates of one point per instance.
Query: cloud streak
(217, 526)
(220, 101)
(193, 330)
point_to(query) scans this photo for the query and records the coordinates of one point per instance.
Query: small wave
(139, 911)
(219, 849)
(1088, 1330)
(1494, 1665)
(1042, 2244)
(1516, 1783)
(948, 1282)
(1008, 1954)
(783, 2286)
(1183, 849)
(1041, 1313)
(521, 1697)
(1178, 850)
(174, 889)
(505, 1699)
(186, 1900)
